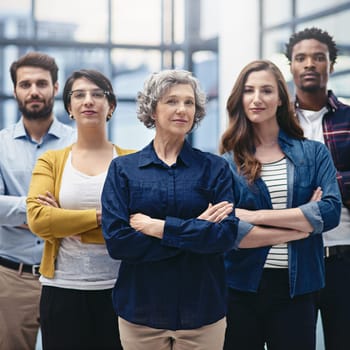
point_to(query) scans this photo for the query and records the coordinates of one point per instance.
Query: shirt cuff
(171, 238)
(243, 229)
(312, 213)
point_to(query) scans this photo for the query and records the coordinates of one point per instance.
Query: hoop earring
(71, 116)
(109, 116)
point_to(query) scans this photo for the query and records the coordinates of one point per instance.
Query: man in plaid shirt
(312, 54)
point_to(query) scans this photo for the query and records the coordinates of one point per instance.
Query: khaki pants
(19, 309)
(138, 337)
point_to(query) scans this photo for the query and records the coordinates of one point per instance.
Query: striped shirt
(275, 177)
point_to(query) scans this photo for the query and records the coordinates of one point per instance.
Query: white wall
(238, 45)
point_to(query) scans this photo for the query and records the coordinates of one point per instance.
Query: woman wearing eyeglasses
(63, 203)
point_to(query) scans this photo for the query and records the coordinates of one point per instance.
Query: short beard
(42, 114)
(310, 89)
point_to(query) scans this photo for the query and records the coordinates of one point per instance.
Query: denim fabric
(177, 282)
(309, 165)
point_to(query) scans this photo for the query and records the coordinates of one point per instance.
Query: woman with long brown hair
(286, 196)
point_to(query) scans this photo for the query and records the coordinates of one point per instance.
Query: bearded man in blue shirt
(35, 83)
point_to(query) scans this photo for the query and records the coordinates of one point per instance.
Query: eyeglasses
(96, 94)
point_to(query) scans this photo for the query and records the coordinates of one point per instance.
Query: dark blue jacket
(309, 165)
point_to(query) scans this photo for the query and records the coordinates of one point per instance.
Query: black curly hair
(312, 33)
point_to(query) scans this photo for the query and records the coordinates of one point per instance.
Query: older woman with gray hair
(167, 213)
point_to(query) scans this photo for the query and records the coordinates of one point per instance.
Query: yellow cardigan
(53, 224)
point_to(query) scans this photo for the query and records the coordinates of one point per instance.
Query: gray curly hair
(158, 84)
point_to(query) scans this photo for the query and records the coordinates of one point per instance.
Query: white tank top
(81, 265)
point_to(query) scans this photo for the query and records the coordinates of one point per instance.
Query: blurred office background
(128, 40)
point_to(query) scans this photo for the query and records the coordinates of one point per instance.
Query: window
(126, 40)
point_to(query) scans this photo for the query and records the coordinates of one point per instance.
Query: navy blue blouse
(177, 282)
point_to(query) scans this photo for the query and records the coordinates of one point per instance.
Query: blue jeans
(271, 317)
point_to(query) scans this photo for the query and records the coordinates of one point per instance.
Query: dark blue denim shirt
(177, 282)
(309, 165)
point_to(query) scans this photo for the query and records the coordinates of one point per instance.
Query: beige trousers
(138, 337)
(19, 309)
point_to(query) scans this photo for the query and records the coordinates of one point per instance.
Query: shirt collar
(149, 156)
(284, 138)
(55, 130)
(332, 102)
(19, 131)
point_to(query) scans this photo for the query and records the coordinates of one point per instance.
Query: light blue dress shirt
(18, 155)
